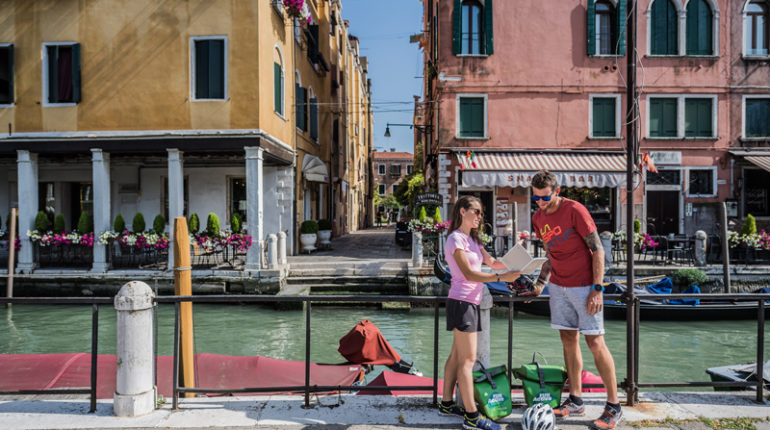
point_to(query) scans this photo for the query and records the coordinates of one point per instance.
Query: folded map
(519, 260)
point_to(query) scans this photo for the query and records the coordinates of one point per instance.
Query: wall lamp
(422, 128)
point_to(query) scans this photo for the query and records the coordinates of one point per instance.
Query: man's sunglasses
(544, 198)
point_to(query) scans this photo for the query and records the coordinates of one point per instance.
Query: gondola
(650, 309)
(738, 373)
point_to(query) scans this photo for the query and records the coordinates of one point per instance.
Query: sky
(395, 65)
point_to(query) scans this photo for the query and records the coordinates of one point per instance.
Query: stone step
(337, 280)
(371, 269)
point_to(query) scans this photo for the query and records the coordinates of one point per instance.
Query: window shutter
(488, 36)
(457, 15)
(314, 118)
(53, 74)
(298, 105)
(669, 117)
(478, 117)
(664, 28)
(620, 20)
(277, 88)
(201, 69)
(591, 28)
(604, 117)
(698, 118)
(699, 28)
(216, 69)
(76, 73)
(312, 49)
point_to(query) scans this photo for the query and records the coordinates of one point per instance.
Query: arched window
(664, 28)
(472, 34)
(278, 82)
(755, 27)
(472, 27)
(605, 28)
(699, 28)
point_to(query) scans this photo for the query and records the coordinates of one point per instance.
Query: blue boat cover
(664, 286)
(692, 290)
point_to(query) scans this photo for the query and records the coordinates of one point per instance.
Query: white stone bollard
(134, 393)
(417, 249)
(483, 343)
(701, 243)
(282, 248)
(272, 251)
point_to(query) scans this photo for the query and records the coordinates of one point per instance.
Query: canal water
(669, 351)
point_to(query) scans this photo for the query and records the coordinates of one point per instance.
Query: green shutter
(76, 73)
(697, 122)
(620, 20)
(758, 118)
(604, 117)
(313, 118)
(297, 105)
(6, 74)
(277, 88)
(699, 28)
(201, 69)
(663, 117)
(457, 15)
(216, 69)
(471, 117)
(591, 28)
(488, 25)
(53, 74)
(664, 28)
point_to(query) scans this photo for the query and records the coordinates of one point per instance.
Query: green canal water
(669, 351)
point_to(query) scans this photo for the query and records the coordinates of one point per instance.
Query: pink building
(512, 87)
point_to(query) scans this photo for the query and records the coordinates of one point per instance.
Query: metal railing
(94, 302)
(630, 384)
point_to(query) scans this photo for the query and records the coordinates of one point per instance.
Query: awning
(762, 161)
(314, 170)
(515, 169)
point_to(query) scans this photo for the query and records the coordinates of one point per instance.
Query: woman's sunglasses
(544, 198)
(476, 211)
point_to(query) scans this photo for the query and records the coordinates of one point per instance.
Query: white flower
(106, 236)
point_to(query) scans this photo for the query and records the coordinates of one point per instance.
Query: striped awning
(515, 169)
(759, 160)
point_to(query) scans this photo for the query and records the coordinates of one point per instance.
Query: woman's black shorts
(463, 316)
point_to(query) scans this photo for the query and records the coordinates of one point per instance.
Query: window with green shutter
(313, 113)
(603, 117)
(6, 74)
(757, 121)
(63, 73)
(699, 27)
(664, 27)
(663, 117)
(471, 117)
(278, 88)
(697, 118)
(209, 68)
(606, 27)
(472, 27)
(300, 107)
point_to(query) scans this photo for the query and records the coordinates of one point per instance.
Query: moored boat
(738, 373)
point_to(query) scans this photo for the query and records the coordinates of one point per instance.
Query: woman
(464, 254)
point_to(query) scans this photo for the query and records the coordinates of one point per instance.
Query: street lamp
(422, 128)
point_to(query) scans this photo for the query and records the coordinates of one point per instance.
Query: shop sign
(666, 157)
(423, 199)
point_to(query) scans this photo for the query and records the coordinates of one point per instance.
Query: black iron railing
(94, 302)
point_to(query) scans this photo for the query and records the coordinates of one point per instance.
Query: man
(574, 273)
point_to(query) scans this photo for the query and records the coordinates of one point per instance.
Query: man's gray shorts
(568, 310)
(463, 316)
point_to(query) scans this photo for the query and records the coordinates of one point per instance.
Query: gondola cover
(364, 344)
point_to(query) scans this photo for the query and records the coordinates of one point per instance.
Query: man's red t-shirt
(562, 233)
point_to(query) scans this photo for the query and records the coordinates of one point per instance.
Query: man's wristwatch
(598, 287)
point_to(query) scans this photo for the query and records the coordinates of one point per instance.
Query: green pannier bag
(542, 383)
(492, 391)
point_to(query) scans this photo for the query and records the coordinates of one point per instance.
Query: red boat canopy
(365, 345)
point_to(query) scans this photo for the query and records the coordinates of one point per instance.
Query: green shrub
(58, 224)
(85, 223)
(42, 222)
(749, 226)
(138, 225)
(193, 224)
(235, 222)
(688, 277)
(212, 224)
(422, 215)
(308, 227)
(437, 215)
(637, 226)
(159, 224)
(120, 224)
(324, 224)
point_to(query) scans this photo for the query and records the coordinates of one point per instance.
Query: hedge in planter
(194, 224)
(58, 224)
(324, 224)
(235, 223)
(42, 222)
(120, 224)
(159, 224)
(212, 224)
(308, 227)
(138, 225)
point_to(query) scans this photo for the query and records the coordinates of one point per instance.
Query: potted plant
(308, 235)
(324, 232)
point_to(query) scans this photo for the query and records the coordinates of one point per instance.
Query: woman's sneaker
(452, 409)
(569, 408)
(480, 422)
(609, 419)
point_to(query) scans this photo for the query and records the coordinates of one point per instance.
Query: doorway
(662, 212)
(487, 203)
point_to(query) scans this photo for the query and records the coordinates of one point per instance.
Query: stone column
(254, 205)
(272, 251)
(417, 249)
(175, 196)
(282, 248)
(701, 243)
(100, 164)
(27, 187)
(134, 393)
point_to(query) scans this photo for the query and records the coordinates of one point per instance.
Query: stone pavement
(374, 243)
(369, 412)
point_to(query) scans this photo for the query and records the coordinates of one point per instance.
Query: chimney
(392, 149)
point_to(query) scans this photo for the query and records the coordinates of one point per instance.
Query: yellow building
(172, 108)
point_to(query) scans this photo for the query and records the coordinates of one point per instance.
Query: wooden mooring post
(183, 287)
(11, 255)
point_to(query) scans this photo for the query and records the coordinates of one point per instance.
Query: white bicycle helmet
(538, 417)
